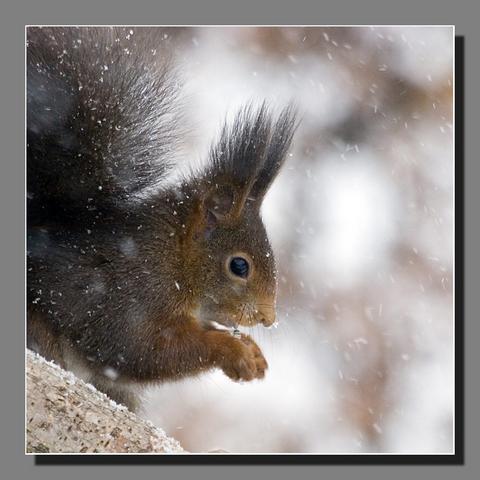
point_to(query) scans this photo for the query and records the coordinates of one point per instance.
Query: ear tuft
(276, 152)
(238, 156)
(250, 153)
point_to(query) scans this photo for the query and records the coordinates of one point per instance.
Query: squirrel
(131, 281)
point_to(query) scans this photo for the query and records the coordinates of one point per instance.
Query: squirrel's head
(226, 249)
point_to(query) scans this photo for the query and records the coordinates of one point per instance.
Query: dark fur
(123, 281)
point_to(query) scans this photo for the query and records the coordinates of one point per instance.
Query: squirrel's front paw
(245, 360)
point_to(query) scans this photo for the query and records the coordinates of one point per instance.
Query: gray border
(13, 464)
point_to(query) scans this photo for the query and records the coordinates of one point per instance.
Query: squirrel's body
(125, 276)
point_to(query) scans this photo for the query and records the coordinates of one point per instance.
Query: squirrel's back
(101, 117)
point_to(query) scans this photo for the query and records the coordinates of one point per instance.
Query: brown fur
(122, 288)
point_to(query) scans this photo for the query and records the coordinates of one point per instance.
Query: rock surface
(66, 415)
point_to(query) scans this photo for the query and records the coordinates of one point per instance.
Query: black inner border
(353, 459)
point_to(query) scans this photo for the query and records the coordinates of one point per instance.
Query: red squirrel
(128, 279)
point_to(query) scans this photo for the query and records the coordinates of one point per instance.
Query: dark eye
(239, 267)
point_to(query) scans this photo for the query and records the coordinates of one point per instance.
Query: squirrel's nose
(267, 318)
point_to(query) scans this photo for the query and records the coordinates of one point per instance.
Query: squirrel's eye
(239, 267)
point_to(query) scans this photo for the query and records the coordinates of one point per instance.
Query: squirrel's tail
(101, 117)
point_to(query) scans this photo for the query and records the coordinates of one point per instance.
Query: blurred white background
(361, 221)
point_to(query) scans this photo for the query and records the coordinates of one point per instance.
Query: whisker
(290, 308)
(242, 314)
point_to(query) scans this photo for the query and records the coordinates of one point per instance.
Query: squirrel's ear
(215, 204)
(220, 202)
(237, 158)
(245, 161)
(275, 155)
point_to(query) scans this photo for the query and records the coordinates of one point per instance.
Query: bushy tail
(101, 117)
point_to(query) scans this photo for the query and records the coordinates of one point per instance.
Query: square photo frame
(244, 244)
